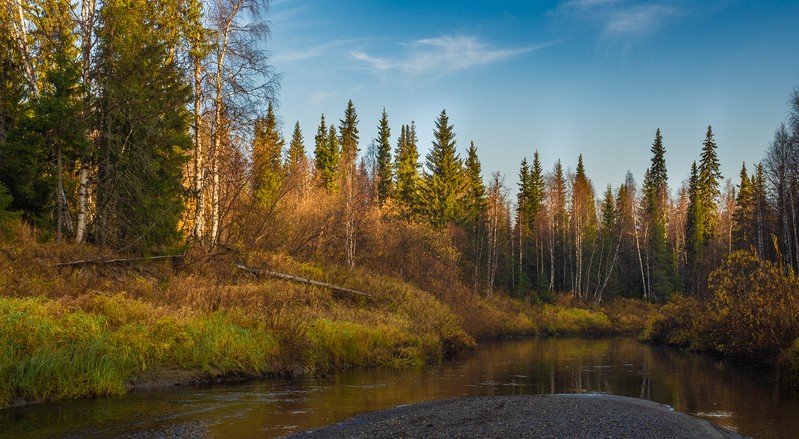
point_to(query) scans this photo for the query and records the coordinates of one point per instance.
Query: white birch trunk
(198, 231)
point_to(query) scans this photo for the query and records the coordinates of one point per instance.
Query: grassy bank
(94, 329)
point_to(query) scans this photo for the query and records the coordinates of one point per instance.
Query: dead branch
(103, 261)
(264, 272)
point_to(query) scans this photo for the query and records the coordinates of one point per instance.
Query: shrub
(673, 323)
(754, 310)
(557, 320)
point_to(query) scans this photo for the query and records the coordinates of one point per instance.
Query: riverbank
(97, 329)
(751, 313)
(540, 416)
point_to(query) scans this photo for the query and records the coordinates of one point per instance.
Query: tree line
(143, 127)
(118, 118)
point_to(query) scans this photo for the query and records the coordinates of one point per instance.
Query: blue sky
(591, 77)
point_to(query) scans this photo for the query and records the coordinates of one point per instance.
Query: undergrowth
(98, 329)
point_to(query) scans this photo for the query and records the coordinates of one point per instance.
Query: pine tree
(475, 196)
(656, 183)
(444, 181)
(384, 171)
(659, 272)
(475, 207)
(145, 122)
(708, 180)
(558, 228)
(583, 222)
(536, 190)
(743, 217)
(267, 150)
(407, 170)
(762, 213)
(295, 157)
(349, 139)
(523, 198)
(694, 229)
(609, 244)
(41, 124)
(326, 156)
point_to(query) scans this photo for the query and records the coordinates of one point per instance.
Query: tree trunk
(640, 260)
(349, 219)
(20, 30)
(215, 192)
(58, 191)
(87, 14)
(83, 203)
(198, 231)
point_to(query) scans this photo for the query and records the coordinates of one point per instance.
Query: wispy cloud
(618, 17)
(308, 52)
(440, 55)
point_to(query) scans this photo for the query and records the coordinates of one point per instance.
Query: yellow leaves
(751, 313)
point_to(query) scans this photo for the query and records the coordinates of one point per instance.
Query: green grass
(557, 320)
(94, 331)
(53, 353)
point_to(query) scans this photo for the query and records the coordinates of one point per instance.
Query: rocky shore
(544, 416)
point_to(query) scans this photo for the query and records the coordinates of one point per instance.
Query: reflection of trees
(622, 366)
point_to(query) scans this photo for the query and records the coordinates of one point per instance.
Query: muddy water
(737, 396)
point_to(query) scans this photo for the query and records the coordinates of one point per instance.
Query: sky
(590, 77)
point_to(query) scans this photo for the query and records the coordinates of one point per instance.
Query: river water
(737, 396)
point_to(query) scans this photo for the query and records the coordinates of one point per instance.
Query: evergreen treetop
(296, 153)
(384, 171)
(444, 176)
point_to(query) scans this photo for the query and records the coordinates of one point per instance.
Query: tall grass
(50, 352)
(98, 330)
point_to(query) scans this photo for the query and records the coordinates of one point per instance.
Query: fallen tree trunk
(102, 261)
(302, 280)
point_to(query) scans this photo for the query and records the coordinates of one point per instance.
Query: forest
(132, 129)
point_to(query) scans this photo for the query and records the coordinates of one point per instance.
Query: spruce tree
(444, 180)
(743, 217)
(267, 150)
(762, 213)
(656, 182)
(333, 146)
(523, 196)
(659, 275)
(295, 158)
(143, 110)
(326, 156)
(384, 171)
(708, 178)
(535, 197)
(583, 221)
(694, 229)
(475, 197)
(349, 139)
(407, 170)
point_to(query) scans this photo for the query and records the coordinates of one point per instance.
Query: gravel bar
(538, 416)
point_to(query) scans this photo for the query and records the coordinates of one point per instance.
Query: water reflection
(735, 395)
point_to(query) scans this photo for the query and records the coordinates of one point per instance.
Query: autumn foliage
(752, 312)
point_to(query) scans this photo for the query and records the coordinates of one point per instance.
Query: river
(737, 396)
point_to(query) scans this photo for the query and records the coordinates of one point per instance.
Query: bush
(788, 365)
(673, 323)
(7, 217)
(557, 320)
(755, 307)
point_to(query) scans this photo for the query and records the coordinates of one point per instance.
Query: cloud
(307, 53)
(638, 19)
(440, 55)
(619, 17)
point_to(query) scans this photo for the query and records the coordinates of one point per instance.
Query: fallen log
(102, 261)
(302, 280)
